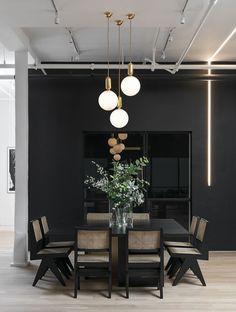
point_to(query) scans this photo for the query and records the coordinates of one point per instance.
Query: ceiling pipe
(202, 21)
(93, 66)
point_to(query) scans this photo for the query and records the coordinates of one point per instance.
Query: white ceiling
(51, 42)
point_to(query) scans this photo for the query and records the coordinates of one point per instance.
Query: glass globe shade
(122, 146)
(117, 148)
(130, 85)
(112, 141)
(107, 100)
(119, 118)
(112, 151)
(117, 157)
(122, 136)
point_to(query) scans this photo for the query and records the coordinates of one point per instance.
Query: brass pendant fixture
(119, 117)
(130, 85)
(108, 99)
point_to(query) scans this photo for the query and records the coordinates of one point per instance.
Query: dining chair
(51, 258)
(48, 243)
(98, 216)
(92, 255)
(142, 216)
(187, 244)
(145, 256)
(192, 235)
(187, 258)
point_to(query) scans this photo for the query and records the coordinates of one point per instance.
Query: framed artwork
(11, 169)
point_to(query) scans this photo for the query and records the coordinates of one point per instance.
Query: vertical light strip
(209, 106)
(209, 128)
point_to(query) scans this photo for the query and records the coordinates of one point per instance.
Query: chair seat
(144, 258)
(60, 244)
(94, 257)
(178, 244)
(54, 251)
(183, 251)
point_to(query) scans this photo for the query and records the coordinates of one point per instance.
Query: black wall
(61, 109)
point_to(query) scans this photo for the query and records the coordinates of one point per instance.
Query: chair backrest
(93, 239)
(200, 238)
(201, 230)
(98, 216)
(145, 240)
(45, 227)
(194, 225)
(35, 238)
(141, 216)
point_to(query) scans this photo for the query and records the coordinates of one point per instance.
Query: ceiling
(31, 23)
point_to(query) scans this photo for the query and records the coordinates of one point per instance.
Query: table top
(170, 227)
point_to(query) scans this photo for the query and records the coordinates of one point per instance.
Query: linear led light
(222, 45)
(209, 107)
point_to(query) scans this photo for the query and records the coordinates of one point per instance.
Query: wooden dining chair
(51, 258)
(185, 244)
(98, 216)
(93, 255)
(48, 243)
(192, 235)
(145, 256)
(141, 216)
(187, 258)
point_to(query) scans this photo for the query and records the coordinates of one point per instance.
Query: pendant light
(130, 85)
(119, 118)
(108, 99)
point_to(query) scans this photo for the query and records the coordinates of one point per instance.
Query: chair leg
(63, 268)
(161, 289)
(56, 272)
(127, 284)
(183, 269)
(168, 265)
(68, 262)
(197, 271)
(75, 283)
(109, 284)
(174, 269)
(43, 267)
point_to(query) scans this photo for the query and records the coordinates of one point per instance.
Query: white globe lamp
(107, 100)
(130, 85)
(119, 118)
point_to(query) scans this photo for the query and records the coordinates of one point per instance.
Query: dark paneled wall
(61, 109)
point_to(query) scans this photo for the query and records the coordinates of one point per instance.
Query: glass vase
(121, 216)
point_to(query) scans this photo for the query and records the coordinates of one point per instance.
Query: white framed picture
(11, 169)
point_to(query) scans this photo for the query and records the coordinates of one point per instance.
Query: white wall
(7, 139)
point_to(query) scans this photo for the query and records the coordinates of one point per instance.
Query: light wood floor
(17, 294)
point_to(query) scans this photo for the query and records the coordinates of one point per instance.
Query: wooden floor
(17, 294)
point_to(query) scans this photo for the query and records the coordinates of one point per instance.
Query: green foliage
(123, 183)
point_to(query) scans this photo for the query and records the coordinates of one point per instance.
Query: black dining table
(171, 230)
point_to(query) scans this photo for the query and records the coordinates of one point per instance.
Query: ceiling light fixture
(168, 39)
(119, 118)
(183, 20)
(130, 85)
(163, 55)
(108, 99)
(57, 18)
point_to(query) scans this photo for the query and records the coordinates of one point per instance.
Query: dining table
(171, 230)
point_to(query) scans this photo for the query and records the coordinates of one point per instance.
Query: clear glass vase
(121, 216)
